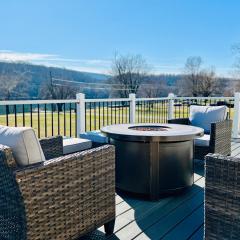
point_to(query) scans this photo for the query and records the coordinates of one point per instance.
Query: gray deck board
(178, 217)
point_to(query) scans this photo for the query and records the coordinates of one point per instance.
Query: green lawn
(99, 117)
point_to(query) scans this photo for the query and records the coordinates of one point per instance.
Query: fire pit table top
(153, 132)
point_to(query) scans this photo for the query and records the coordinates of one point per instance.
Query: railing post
(170, 106)
(236, 115)
(80, 113)
(132, 97)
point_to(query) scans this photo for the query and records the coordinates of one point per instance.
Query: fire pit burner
(150, 128)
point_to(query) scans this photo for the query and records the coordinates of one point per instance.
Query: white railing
(84, 112)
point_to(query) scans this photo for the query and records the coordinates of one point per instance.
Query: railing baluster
(64, 119)
(7, 112)
(86, 111)
(45, 122)
(75, 110)
(15, 114)
(52, 115)
(107, 113)
(99, 116)
(90, 115)
(70, 119)
(103, 107)
(58, 118)
(38, 114)
(31, 116)
(23, 112)
(95, 120)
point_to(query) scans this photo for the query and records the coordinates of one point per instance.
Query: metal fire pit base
(153, 169)
(153, 159)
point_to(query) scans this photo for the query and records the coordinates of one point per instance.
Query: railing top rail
(152, 99)
(108, 100)
(202, 98)
(51, 101)
(35, 102)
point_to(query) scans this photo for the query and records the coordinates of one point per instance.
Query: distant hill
(24, 80)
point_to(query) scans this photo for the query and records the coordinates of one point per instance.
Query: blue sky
(85, 34)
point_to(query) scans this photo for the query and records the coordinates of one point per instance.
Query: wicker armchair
(222, 197)
(220, 138)
(63, 198)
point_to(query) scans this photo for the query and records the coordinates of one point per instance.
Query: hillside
(23, 80)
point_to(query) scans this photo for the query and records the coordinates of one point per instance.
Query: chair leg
(109, 227)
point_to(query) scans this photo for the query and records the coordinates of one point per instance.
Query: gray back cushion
(203, 116)
(24, 144)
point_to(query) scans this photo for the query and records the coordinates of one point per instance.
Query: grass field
(54, 123)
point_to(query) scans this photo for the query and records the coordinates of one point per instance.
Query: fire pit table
(153, 160)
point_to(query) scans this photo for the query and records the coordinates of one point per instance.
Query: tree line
(128, 74)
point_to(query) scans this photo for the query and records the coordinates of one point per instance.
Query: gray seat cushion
(203, 141)
(24, 144)
(71, 145)
(203, 116)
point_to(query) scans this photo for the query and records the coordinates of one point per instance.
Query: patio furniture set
(63, 188)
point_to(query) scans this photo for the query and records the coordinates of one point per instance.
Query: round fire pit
(153, 159)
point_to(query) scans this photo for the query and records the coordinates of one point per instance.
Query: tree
(51, 90)
(153, 88)
(198, 81)
(128, 72)
(207, 82)
(190, 83)
(11, 81)
(236, 51)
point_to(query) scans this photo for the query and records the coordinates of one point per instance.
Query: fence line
(73, 116)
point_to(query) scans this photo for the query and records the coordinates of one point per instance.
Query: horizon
(83, 36)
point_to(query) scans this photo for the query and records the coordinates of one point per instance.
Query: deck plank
(182, 212)
(178, 217)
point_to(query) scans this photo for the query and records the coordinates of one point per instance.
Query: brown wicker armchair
(220, 138)
(63, 198)
(222, 198)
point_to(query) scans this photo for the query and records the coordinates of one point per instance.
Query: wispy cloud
(7, 55)
(172, 66)
(87, 65)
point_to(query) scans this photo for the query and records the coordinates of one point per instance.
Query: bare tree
(198, 81)
(51, 90)
(153, 89)
(9, 83)
(190, 82)
(128, 73)
(236, 52)
(207, 82)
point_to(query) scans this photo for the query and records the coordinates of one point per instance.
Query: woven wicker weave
(222, 198)
(220, 138)
(63, 198)
(52, 147)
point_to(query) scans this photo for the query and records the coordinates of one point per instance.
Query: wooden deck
(173, 218)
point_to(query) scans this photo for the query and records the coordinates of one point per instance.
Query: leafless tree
(9, 81)
(128, 72)
(207, 82)
(190, 81)
(236, 52)
(52, 90)
(153, 89)
(198, 81)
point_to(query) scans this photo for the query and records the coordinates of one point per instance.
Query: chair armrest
(220, 137)
(184, 121)
(78, 189)
(52, 147)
